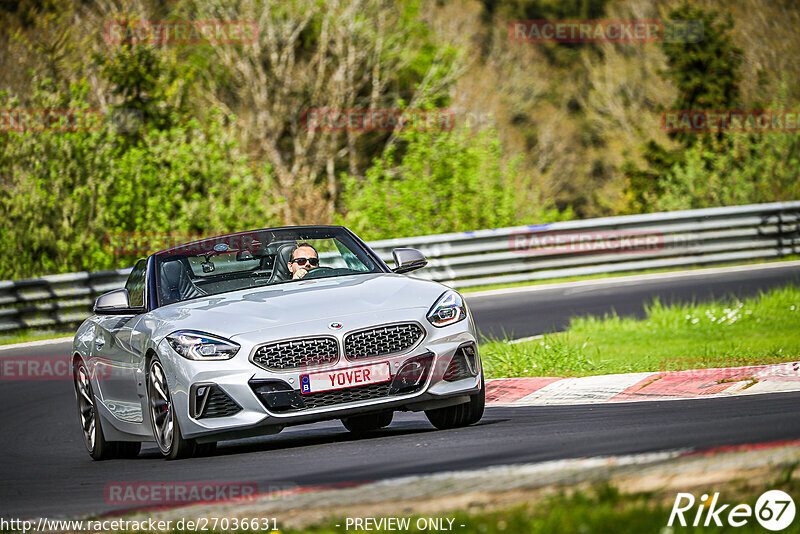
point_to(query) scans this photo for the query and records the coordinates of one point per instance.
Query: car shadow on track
(309, 438)
(296, 438)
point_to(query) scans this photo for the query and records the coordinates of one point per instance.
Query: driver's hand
(299, 273)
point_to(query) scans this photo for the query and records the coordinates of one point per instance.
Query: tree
(440, 182)
(706, 75)
(65, 194)
(354, 54)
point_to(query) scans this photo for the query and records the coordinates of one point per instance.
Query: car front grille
(297, 353)
(382, 341)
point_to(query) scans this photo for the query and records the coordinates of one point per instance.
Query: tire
(166, 430)
(366, 423)
(460, 415)
(89, 420)
(477, 403)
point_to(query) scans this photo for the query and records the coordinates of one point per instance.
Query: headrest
(280, 270)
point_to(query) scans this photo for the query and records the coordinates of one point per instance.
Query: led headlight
(200, 346)
(449, 309)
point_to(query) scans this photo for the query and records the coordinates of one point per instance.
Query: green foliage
(65, 192)
(175, 165)
(706, 72)
(147, 86)
(711, 169)
(546, 9)
(443, 182)
(740, 168)
(731, 169)
(549, 356)
(599, 508)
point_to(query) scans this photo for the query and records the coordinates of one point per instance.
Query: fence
(497, 256)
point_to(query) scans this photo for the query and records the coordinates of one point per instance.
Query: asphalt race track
(46, 471)
(543, 311)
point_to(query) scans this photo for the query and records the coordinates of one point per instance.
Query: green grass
(33, 335)
(792, 257)
(728, 333)
(601, 509)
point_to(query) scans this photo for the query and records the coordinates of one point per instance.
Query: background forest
(210, 138)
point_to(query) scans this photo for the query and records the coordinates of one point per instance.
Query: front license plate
(345, 378)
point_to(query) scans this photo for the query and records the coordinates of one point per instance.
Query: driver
(304, 258)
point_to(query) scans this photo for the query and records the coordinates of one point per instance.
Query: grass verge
(730, 333)
(601, 508)
(33, 335)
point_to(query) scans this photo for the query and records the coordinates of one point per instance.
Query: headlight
(201, 346)
(449, 309)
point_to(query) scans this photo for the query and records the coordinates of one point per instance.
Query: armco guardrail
(606, 245)
(502, 255)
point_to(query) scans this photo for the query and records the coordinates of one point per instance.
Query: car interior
(196, 274)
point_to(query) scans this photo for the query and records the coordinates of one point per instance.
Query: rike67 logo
(774, 510)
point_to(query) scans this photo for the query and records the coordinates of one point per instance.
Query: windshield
(259, 258)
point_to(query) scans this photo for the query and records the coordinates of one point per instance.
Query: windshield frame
(155, 260)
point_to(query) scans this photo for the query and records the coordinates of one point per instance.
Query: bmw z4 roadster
(244, 334)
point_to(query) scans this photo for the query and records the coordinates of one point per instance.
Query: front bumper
(239, 378)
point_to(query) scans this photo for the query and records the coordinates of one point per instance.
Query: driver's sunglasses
(302, 261)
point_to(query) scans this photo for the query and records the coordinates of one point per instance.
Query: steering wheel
(318, 272)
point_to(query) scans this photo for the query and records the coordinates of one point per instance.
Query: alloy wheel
(86, 407)
(160, 407)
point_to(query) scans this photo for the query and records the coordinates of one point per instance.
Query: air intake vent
(210, 401)
(463, 365)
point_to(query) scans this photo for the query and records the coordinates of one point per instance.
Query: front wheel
(464, 414)
(166, 430)
(89, 419)
(93, 438)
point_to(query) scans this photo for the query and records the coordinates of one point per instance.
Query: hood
(249, 310)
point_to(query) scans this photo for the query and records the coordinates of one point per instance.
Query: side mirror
(115, 302)
(407, 260)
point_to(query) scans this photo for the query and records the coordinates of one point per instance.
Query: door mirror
(408, 259)
(114, 303)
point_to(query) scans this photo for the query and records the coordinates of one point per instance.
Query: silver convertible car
(244, 334)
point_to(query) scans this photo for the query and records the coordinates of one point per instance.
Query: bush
(440, 182)
(736, 169)
(63, 193)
